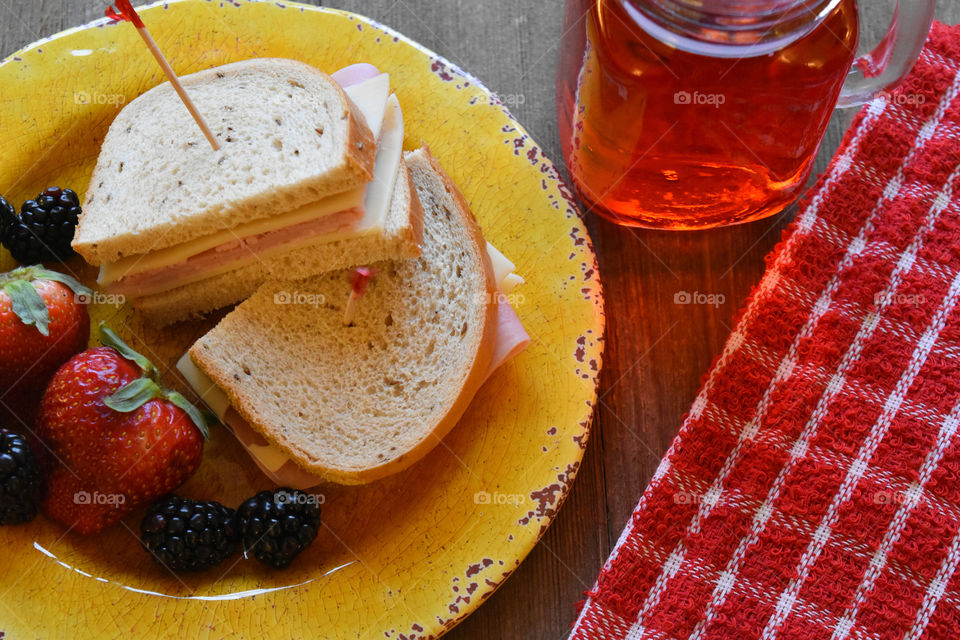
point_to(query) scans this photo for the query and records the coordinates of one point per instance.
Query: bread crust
(355, 169)
(475, 380)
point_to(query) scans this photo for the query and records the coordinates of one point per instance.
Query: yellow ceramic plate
(407, 557)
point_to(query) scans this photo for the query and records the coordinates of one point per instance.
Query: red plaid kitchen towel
(814, 489)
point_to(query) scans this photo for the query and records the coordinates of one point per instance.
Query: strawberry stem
(110, 339)
(134, 395)
(27, 303)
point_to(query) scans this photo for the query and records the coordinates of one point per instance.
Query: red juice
(657, 136)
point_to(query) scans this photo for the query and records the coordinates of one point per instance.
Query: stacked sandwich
(311, 179)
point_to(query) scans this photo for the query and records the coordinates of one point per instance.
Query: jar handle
(884, 67)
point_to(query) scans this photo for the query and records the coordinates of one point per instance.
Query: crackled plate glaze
(406, 557)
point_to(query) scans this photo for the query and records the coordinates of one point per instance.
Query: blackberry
(277, 525)
(20, 483)
(186, 535)
(8, 217)
(45, 228)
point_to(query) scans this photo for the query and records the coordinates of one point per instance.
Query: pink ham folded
(512, 339)
(355, 74)
(233, 254)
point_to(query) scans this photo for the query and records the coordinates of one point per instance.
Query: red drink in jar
(684, 114)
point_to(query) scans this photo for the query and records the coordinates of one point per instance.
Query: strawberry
(43, 321)
(114, 437)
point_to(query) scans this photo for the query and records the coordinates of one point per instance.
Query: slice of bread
(355, 404)
(289, 136)
(403, 233)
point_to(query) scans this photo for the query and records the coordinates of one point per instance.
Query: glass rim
(729, 28)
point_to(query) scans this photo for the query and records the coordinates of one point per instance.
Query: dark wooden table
(657, 351)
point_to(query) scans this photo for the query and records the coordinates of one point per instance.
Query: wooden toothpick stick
(358, 286)
(124, 11)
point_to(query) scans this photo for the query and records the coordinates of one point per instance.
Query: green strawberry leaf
(28, 305)
(143, 390)
(134, 395)
(39, 272)
(27, 302)
(64, 279)
(195, 414)
(110, 339)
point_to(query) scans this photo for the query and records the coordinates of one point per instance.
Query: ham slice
(232, 255)
(512, 338)
(355, 74)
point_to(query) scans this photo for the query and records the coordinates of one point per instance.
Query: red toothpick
(124, 11)
(358, 286)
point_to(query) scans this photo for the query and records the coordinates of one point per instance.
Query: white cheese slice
(371, 98)
(503, 270)
(272, 456)
(376, 202)
(215, 399)
(510, 283)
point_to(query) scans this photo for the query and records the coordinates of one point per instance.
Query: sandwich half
(314, 400)
(310, 177)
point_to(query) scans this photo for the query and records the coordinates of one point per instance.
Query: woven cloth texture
(814, 488)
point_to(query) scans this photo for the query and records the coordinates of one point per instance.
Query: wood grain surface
(657, 352)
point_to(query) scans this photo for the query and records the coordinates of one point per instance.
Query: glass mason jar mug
(689, 114)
